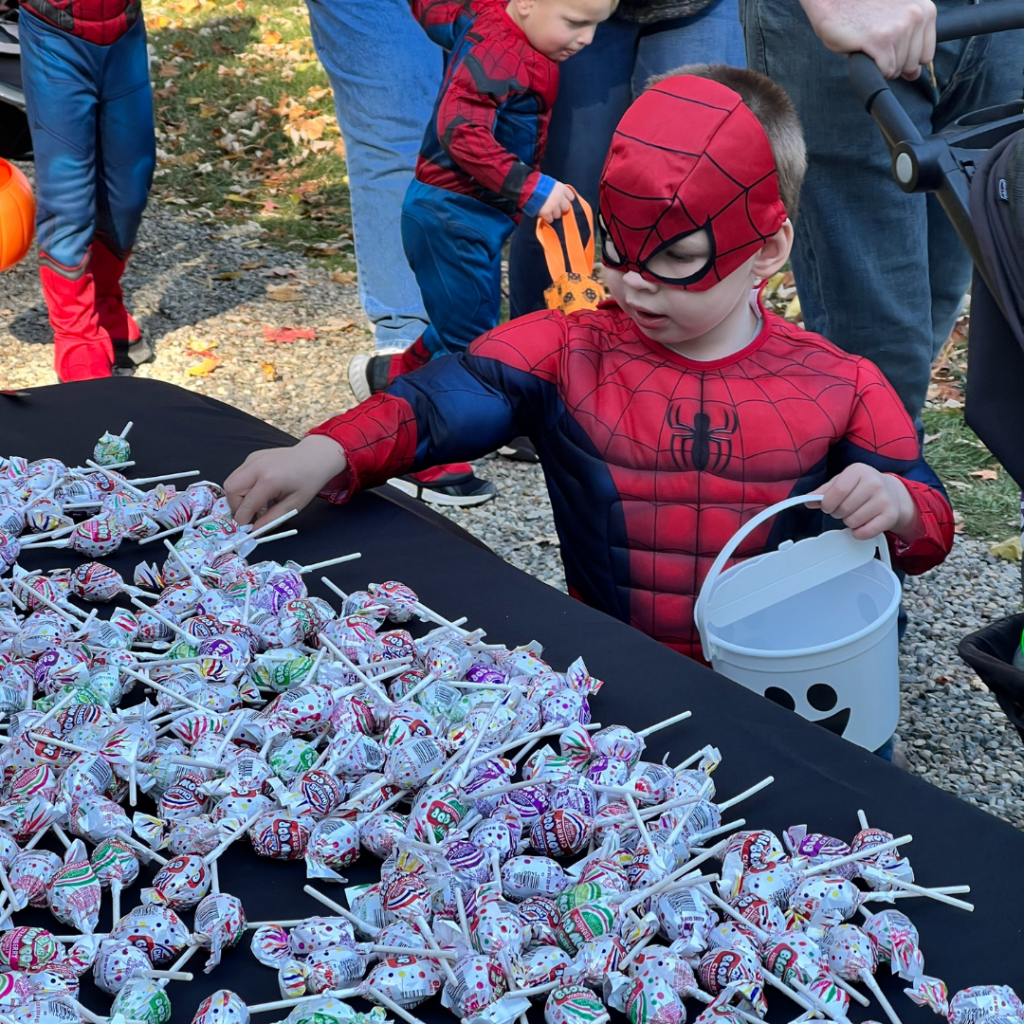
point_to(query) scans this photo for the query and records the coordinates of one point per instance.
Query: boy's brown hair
(773, 108)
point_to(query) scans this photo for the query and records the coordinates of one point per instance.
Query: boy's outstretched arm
(880, 483)
(451, 410)
(443, 20)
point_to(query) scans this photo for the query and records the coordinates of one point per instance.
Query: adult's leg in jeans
(385, 74)
(714, 36)
(861, 256)
(593, 93)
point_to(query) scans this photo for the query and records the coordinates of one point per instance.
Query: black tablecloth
(820, 779)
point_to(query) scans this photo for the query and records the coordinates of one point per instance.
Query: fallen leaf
(200, 345)
(271, 37)
(228, 275)
(286, 335)
(205, 368)
(336, 326)
(253, 265)
(958, 484)
(194, 101)
(284, 293)
(985, 474)
(943, 680)
(793, 309)
(1012, 549)
(270, 373)
(344, 276)
(169, 70)
(952, 403)
(928, 438)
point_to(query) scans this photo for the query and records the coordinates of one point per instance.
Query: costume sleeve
(443, 20)
(466, 116)
(881, 435)
(453, 409)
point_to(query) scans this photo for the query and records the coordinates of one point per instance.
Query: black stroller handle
(943, 163)
(978, 19)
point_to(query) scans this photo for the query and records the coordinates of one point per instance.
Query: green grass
(246, 123)
(990, 508)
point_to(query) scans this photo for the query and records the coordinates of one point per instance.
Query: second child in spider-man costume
(478, 169)
(672, 414)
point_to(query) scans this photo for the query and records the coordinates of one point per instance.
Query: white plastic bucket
(811, 625)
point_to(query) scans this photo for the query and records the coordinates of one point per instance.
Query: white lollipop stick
(273, 536)
(167, 975)
(331, 561)
(397, 1010)
(240, 718)
(433, 954)
(467, 761)
(164, 476)
(141, 847)
(883, 896)
(865, 976)
(59, 706)
(763, 784)
(266, 528)
(750, 1018)
(850, 858)
(248, 600)
(30, 542)
(639, 895)
(61, 835)
(16, 901)
(228, 840)
(189, 571)
(362, 925)
(128, 426)
(863, 819)
(921, 890)
(428, 935)
(115, 901)
(703, 837)
(665, 724)
(63, 744)
(463, 919)
(173, 530)
(113, 479)
(253, 925)
(79, 470)
(172, 626)
(631, 804)
(63, 610)
(285, 1004)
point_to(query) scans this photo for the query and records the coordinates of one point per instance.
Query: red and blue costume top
(652, 460)
(489, 126)
(96, 21)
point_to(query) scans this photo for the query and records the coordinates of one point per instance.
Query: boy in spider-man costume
(676, 411)
(90, 107)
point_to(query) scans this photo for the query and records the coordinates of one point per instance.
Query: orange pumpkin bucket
(570, 262)
(17, 215)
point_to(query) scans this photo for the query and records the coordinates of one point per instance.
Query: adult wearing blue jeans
(880, 273)
(643, 38)
(385, 74)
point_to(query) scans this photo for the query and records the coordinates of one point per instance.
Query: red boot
(82, 348)
(107, 268)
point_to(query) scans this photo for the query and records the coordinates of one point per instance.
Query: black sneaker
(462, 489)
(128, 356)
(367, 375)
(519, 449)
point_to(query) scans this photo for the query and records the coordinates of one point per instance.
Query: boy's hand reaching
(558, 204)
(870, 503)
(276, 480)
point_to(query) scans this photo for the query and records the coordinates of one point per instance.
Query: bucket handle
(708, 587)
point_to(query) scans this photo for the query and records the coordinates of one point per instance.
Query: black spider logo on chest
(699, 445)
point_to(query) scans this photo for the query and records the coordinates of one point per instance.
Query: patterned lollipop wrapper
(406, 980)
(111, 449)
(651, 1000)
(980, 1001)
(156, 930)
(219, 924)
(31, 874)
(333, 845)
(28, 949)
(75, 891)
(561, 833)
(222, 1007)
(479, 981)
(280, 836)
(116, 962)
(572, 1004)
(181, 882)
(142, 999)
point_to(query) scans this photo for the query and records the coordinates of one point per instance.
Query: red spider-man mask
(688, 155)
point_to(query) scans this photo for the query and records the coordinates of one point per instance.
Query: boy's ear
(523, 7)
(775, 252)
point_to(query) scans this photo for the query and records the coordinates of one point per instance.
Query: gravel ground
(951, 727)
